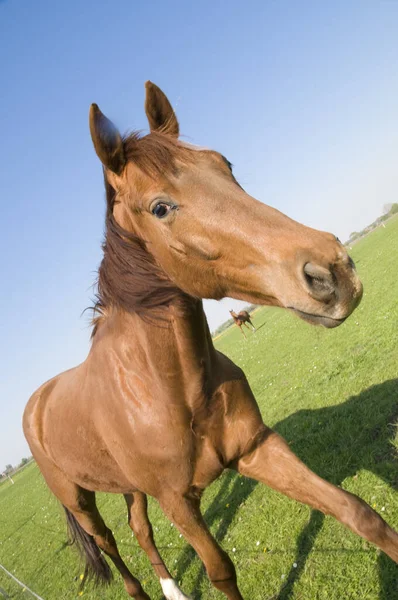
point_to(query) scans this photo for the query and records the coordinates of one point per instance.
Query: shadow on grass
(336, 442)
(261, 326)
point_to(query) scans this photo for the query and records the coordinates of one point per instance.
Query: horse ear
(107, 141)
(159, 111)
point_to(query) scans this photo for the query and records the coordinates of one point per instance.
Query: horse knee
(364, 521)
(370, 525)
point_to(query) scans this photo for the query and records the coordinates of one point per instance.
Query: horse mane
(128, 276)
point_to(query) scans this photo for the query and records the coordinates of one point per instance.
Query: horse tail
(96, 567)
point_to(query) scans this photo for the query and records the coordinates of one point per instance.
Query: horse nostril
(320, 281)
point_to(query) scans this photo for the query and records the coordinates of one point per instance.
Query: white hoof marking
(171, 590)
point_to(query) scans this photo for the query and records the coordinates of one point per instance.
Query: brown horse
(155, 409)
(242, 318)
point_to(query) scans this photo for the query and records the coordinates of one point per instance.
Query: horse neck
(175, 354)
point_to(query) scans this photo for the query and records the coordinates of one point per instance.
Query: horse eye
(161, 210)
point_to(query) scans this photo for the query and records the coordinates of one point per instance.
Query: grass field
(333, 394)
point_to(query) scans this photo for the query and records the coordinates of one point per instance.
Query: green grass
(333, 394)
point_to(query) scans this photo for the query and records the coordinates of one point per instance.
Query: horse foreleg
(137, 506)
(244, 335)
(185, 513)
(273, 463)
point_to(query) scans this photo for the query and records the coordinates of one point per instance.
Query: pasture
(333, 395)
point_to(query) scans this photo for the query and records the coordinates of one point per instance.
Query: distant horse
(155, 409)
(242, 318)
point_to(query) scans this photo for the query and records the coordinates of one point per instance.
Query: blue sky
(300, 96)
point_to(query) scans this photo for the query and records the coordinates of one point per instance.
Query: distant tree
(394, 208)
(387, 208)
(223, 327)
(24, 461)
(390, 209)
(9, 468)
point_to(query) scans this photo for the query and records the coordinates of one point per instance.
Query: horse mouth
(323, 320)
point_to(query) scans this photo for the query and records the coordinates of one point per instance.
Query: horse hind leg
(137, 507)
(87, 529)
(86, 522)
(96, 566)
(92, 535)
